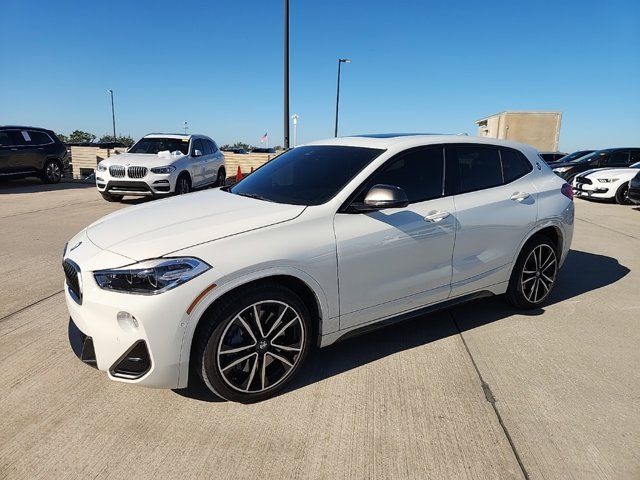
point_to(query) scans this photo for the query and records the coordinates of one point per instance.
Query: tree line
(79, 136)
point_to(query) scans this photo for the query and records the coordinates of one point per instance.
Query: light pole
(340, 62)
(286, 74)
(186, 126)
(295, 118)
(113, 115)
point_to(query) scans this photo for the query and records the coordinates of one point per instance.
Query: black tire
(183, 184)
(222, 177)
(622, 195)
(52, 172)
(223, 327)
(112, 198)
(529, 287)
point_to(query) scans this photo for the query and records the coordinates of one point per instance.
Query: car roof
(400, 141)
(178, 136)
(23, 127)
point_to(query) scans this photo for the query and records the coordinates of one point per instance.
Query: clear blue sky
(417, 66)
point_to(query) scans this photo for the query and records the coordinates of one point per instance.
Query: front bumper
(151, 185)
(586, 190)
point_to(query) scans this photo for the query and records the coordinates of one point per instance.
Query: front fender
(233, 281)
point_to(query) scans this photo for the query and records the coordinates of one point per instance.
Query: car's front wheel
(183, 184)
(253, 343)
(52, 172)
(534, 274)
(622, 195)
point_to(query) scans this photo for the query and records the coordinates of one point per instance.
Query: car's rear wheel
(52, 172)
(622, 195)
(111, 198)
(183, 184)
(253, 343)
(534, 274)
(222, 177)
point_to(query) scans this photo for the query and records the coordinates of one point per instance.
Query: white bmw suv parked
(326, 240)
(160, 164)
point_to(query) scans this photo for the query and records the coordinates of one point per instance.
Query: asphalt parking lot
(479, 391)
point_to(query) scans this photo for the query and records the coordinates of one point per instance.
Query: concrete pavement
(480, 391)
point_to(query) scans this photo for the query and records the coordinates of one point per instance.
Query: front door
(395, 260)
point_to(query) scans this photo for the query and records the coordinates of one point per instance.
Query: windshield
(308, 175)
(575, 155)
(155, 145)
(588, 158)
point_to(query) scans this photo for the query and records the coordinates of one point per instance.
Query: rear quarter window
(514, 164)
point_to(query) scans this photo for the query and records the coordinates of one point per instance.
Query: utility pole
(295, 118)
(113, 115)
(286, 74)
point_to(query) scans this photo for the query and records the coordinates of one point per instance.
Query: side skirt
(360, 330)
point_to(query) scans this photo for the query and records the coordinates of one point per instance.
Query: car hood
(610, 172)
(164, 226)
(142, 159)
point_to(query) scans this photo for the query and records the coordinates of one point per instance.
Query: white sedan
(606, 183)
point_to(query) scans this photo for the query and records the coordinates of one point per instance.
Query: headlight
(101, 167)
(607, 180)
(151, 276)
(163, 170)
(561, 169)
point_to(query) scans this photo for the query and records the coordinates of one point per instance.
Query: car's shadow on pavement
(582, 272)
(34, 185)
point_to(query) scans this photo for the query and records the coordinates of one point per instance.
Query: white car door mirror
(385, 196)
(197, 153)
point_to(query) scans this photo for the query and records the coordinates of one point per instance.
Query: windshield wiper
(254, 195)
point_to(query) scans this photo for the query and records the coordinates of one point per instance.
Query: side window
(478, 167)
(11, 138)
(197, 145)
(419, 173)
(634, 157)
(39, 138)
(514, 164)
(618, 159)
(215, 147)
(208, 149)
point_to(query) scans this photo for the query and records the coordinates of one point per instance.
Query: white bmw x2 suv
(327, 239)
(160, 164)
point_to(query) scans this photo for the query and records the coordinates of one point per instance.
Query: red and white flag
(264, 138)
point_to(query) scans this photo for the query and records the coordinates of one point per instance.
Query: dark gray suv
(31, 152)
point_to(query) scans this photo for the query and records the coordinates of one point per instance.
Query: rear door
(198, 163)
(496, 207)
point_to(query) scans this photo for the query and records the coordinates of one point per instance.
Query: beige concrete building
(538, 129)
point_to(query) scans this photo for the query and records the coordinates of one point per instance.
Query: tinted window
(635, 156)
(39, 138)
(419, 173)
(620, 158)
(514, 164)
(197, 145)
(208, 147)
(10, 138)
(215, 147)
(308, 175)
(478, 167)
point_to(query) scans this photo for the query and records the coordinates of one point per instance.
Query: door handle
(436, 216)
(519, 196)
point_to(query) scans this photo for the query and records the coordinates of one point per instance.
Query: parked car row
(600, 174)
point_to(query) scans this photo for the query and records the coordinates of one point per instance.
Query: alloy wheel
(183, 186)
(260, 346)
(53, 172)
(539, 273)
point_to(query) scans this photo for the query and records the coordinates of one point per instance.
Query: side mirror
(197, 153)
(385, 196)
